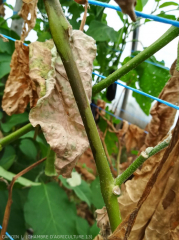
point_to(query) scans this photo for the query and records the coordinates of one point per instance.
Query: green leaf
(82, 191)
(21, 180)
(166, 4)
(111, 140)
(94, 230)
(82, 226)
(168, 16)
(97, 199)
(16, 225)
(54, 213)
(14, 120)
(43, 36)
(4, 69)
(28, 148)
(4, 57)
(8, 157)
(140, 5)
(101, 32)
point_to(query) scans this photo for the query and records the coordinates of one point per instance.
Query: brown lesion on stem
(9, 201)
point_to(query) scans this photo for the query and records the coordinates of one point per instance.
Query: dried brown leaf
(98, 237)
(162, 115)
(56, 112)
(2, 9)
(128, 7)
(19, 89)
(103, 222)
(87, 176)
(3, 38)
(134, 137)
(29, 8)
(151, 210)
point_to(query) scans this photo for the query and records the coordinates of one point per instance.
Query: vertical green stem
(60, 27)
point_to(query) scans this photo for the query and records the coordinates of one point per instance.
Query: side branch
(15, 135)
(167, 37)
(140, 160)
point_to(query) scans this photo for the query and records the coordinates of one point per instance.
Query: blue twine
(12, 39)
(15, 12)
(139, 14)
(112, 114)
(142, 93)
(9, 236)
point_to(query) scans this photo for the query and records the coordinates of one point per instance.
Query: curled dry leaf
(2, 9)
(163, 116)
(56, 112)
(3, 38)
(134, 137)
(19, 89)
(128, 7)
(151, 198)
(103, 222)
(101, 104)
(81, 1)
(29, 8)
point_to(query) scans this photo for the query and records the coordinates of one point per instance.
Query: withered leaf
(128, 7)
(29, 8)
(162, 115)
(103, 222)
(151, 198)
(134, 137)
(56, 112)
(19, 89)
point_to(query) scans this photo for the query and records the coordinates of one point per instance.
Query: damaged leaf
(163, 116)
(29, 8)
(103, 222)
(149, 205)
(134, 137)
(19, 89)
(128, 7)
(56, 112)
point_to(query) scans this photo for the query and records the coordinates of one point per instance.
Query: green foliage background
(45, 206)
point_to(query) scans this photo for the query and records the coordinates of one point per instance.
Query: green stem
(140, 160)
(60, 27)
(167, 37)
(15, 135)
(49, 163)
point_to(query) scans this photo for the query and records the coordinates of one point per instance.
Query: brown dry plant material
(19, 89)
(128, 7)
(163, 116)
(29, 8)
(150, 203)
(56, 112)
(103, 222)
(2, 9)
(134, 137)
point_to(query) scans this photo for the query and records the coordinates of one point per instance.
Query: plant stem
(140, 160)
(15, 135)
(60, 27)
(9, 202)
(167, 37)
